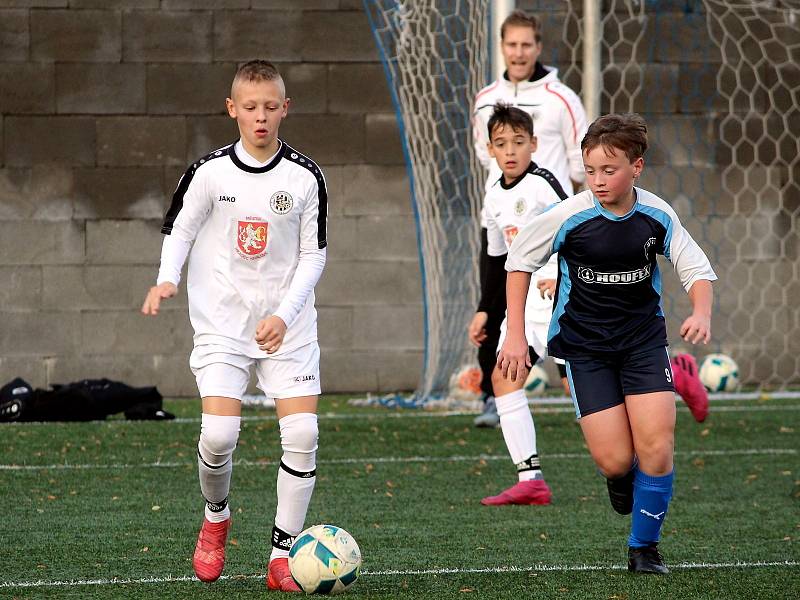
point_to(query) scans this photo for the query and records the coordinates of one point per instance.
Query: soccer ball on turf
(719, 373)
(465, 383)
(324, 559)
(537, 381)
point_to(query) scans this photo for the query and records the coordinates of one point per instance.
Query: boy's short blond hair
(258, 70)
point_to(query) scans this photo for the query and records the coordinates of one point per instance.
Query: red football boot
(279, 577)
(689, 387)
(209, 553)
(534, 491)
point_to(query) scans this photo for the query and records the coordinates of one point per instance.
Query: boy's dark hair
(258, 70)
(520, 18)
(626, 132)
(505, 115)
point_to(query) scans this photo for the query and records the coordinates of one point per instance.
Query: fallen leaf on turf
(145, 549)
(705, 432)
(233, 542)
(466, 590)
(786, 430)
(156, 507)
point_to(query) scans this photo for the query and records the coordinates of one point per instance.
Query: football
(325, 559)
(537, 381)
(719, 373)
(465, 383)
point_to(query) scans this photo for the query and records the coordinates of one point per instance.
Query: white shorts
(220, 372)
(535, 333)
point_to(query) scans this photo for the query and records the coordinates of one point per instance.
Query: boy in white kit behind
(523, 191)
(254, 216)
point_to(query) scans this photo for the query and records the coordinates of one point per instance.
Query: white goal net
(718, 82)
(435, 57)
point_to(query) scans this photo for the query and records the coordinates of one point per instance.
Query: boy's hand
(155, 295)
(269, 333)
(547, 287)
(513, 359)
(696, 328)
(476, 331)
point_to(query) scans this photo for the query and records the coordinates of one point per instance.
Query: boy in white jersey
(560, 122)
(523, 191)
(254, 215)
(609, 325)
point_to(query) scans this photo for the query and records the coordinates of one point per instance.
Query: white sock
(296, 479)
(519, 433)
(218, 437)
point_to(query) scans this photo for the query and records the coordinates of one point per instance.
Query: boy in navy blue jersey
(608, 323)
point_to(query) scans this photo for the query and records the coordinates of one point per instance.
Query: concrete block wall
(104, 102)
(102, 106)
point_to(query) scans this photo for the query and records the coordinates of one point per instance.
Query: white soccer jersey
(509, 208)
(559, 123)
(250, 227)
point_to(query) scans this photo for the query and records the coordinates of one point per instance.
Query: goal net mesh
(718, 82)
(435, 58)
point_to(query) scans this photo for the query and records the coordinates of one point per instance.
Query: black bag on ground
(86, 400)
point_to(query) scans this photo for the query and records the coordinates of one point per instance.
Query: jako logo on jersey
(227, 199)
(301, 378)
(281, 203)
(591, 276)
(251, 239)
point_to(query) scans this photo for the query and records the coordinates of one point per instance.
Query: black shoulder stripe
(322, 217)
(551, 179)
(183, 185)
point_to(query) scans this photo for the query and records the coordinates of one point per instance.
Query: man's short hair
(505, 115)
(258, 70)
(626, 132)
(520, 18)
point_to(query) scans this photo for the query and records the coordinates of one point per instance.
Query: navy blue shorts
(598, 383)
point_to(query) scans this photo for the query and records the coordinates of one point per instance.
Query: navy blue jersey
(609, 286)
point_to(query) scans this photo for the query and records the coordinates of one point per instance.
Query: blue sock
(651, 496)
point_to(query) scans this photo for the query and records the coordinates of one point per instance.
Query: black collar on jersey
(531, 168)
(538, 72)
(268, 167)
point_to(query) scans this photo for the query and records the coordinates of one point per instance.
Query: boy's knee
(615, 467)
(299, 433)
(218, 436)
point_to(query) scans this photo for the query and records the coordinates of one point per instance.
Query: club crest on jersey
(647, 245)
(520, 206)
(251, 239)
(281, 203)
(510, 233)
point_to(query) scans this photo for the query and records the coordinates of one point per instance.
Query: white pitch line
(399, 572)
(385, 459)
(411, 413)
(421, 413)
